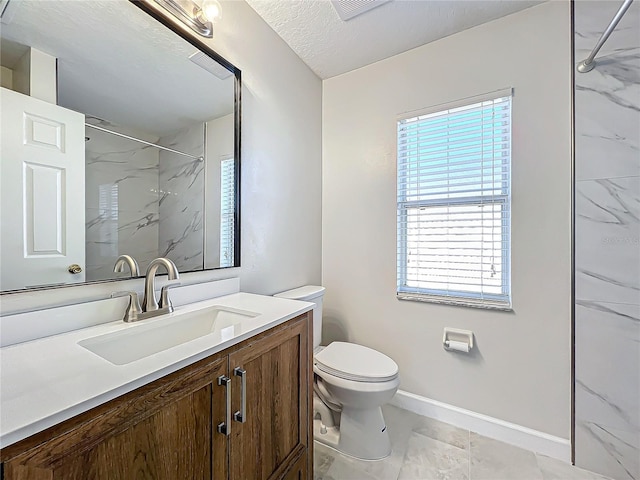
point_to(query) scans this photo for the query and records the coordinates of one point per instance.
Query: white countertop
(46, 381)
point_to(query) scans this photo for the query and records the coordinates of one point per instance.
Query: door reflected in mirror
(118, 137)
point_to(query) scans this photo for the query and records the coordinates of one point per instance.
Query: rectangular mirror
(119, 135)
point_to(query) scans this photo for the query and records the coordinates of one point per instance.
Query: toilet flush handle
(241, 415)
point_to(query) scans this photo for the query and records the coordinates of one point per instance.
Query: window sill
(454, 301)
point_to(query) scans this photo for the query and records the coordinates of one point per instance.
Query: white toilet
(351, 383)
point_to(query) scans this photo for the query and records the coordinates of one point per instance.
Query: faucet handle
(133, 309)
(164, 295)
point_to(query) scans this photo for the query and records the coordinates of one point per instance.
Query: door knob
(74, 269)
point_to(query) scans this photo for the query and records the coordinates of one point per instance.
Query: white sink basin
(138, 342)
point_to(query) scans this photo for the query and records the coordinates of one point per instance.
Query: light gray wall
(607, 324)
(281, 154)
(521, 370)
(281, 168)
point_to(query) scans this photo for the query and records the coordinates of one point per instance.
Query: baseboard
(507, 432)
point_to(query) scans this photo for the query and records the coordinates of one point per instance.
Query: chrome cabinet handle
(241, 415)
(225, 427)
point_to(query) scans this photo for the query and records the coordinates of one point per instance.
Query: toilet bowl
(351, 383)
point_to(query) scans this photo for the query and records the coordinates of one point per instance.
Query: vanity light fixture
(198, 15)
(210, 10)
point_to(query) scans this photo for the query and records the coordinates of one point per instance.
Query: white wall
(43, 75)
(521, 369)
(281, 167)
(281, 154)
(35, 74)
(6, 78)
(22, 74)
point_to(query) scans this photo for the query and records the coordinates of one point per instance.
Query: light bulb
(211, 10)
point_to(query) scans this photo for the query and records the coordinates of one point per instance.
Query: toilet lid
(356, 362)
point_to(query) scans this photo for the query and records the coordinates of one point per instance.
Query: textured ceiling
(330, 46)
(117, 63)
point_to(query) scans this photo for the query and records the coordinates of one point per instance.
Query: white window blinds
(227, 211)
(454, 198)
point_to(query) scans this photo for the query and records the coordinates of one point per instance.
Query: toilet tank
(313, 294)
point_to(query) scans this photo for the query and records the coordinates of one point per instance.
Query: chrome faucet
(150, 306)
(130, 262)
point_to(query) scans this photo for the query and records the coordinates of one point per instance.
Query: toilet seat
(355, 362)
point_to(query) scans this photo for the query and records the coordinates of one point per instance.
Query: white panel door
(42, 231)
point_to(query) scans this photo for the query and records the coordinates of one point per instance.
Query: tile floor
(426, 449)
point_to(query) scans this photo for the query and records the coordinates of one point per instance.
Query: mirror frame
(183, 32)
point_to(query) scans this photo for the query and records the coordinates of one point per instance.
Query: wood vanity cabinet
(169, 428)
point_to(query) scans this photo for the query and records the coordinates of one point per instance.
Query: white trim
(507, 432)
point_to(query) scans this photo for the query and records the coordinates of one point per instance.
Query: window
(227, 211)
(454, 202)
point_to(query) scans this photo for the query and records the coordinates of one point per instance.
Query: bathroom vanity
(231, 403)
(221, 387)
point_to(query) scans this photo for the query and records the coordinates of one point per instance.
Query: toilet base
(329, 436)
(362, 434)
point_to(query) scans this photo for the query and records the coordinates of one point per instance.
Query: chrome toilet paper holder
(456, 339)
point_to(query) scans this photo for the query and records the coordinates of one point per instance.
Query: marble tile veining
(181, 181)
(607, 99)
(430, 458)
(606, 149)
(112, 233)
(553, 469)
(608, 340)
(445, 433)
(589, 26)
(322, 460)
(120, 173)
(604, 448)
(144, 201)
(608, 246)
(607, 243)
(121, 201)
(492, 460)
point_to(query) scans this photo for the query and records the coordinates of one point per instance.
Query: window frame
(480, 299)
(227, 218)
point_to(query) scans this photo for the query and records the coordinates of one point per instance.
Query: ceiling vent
(347, 9)
(210, 65)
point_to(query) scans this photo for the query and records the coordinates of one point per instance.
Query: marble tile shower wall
(607, 243)
(181, 202)
(121, 202)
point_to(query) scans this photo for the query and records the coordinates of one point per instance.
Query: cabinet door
(298, 471)
(276, 418)
(165, 430)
